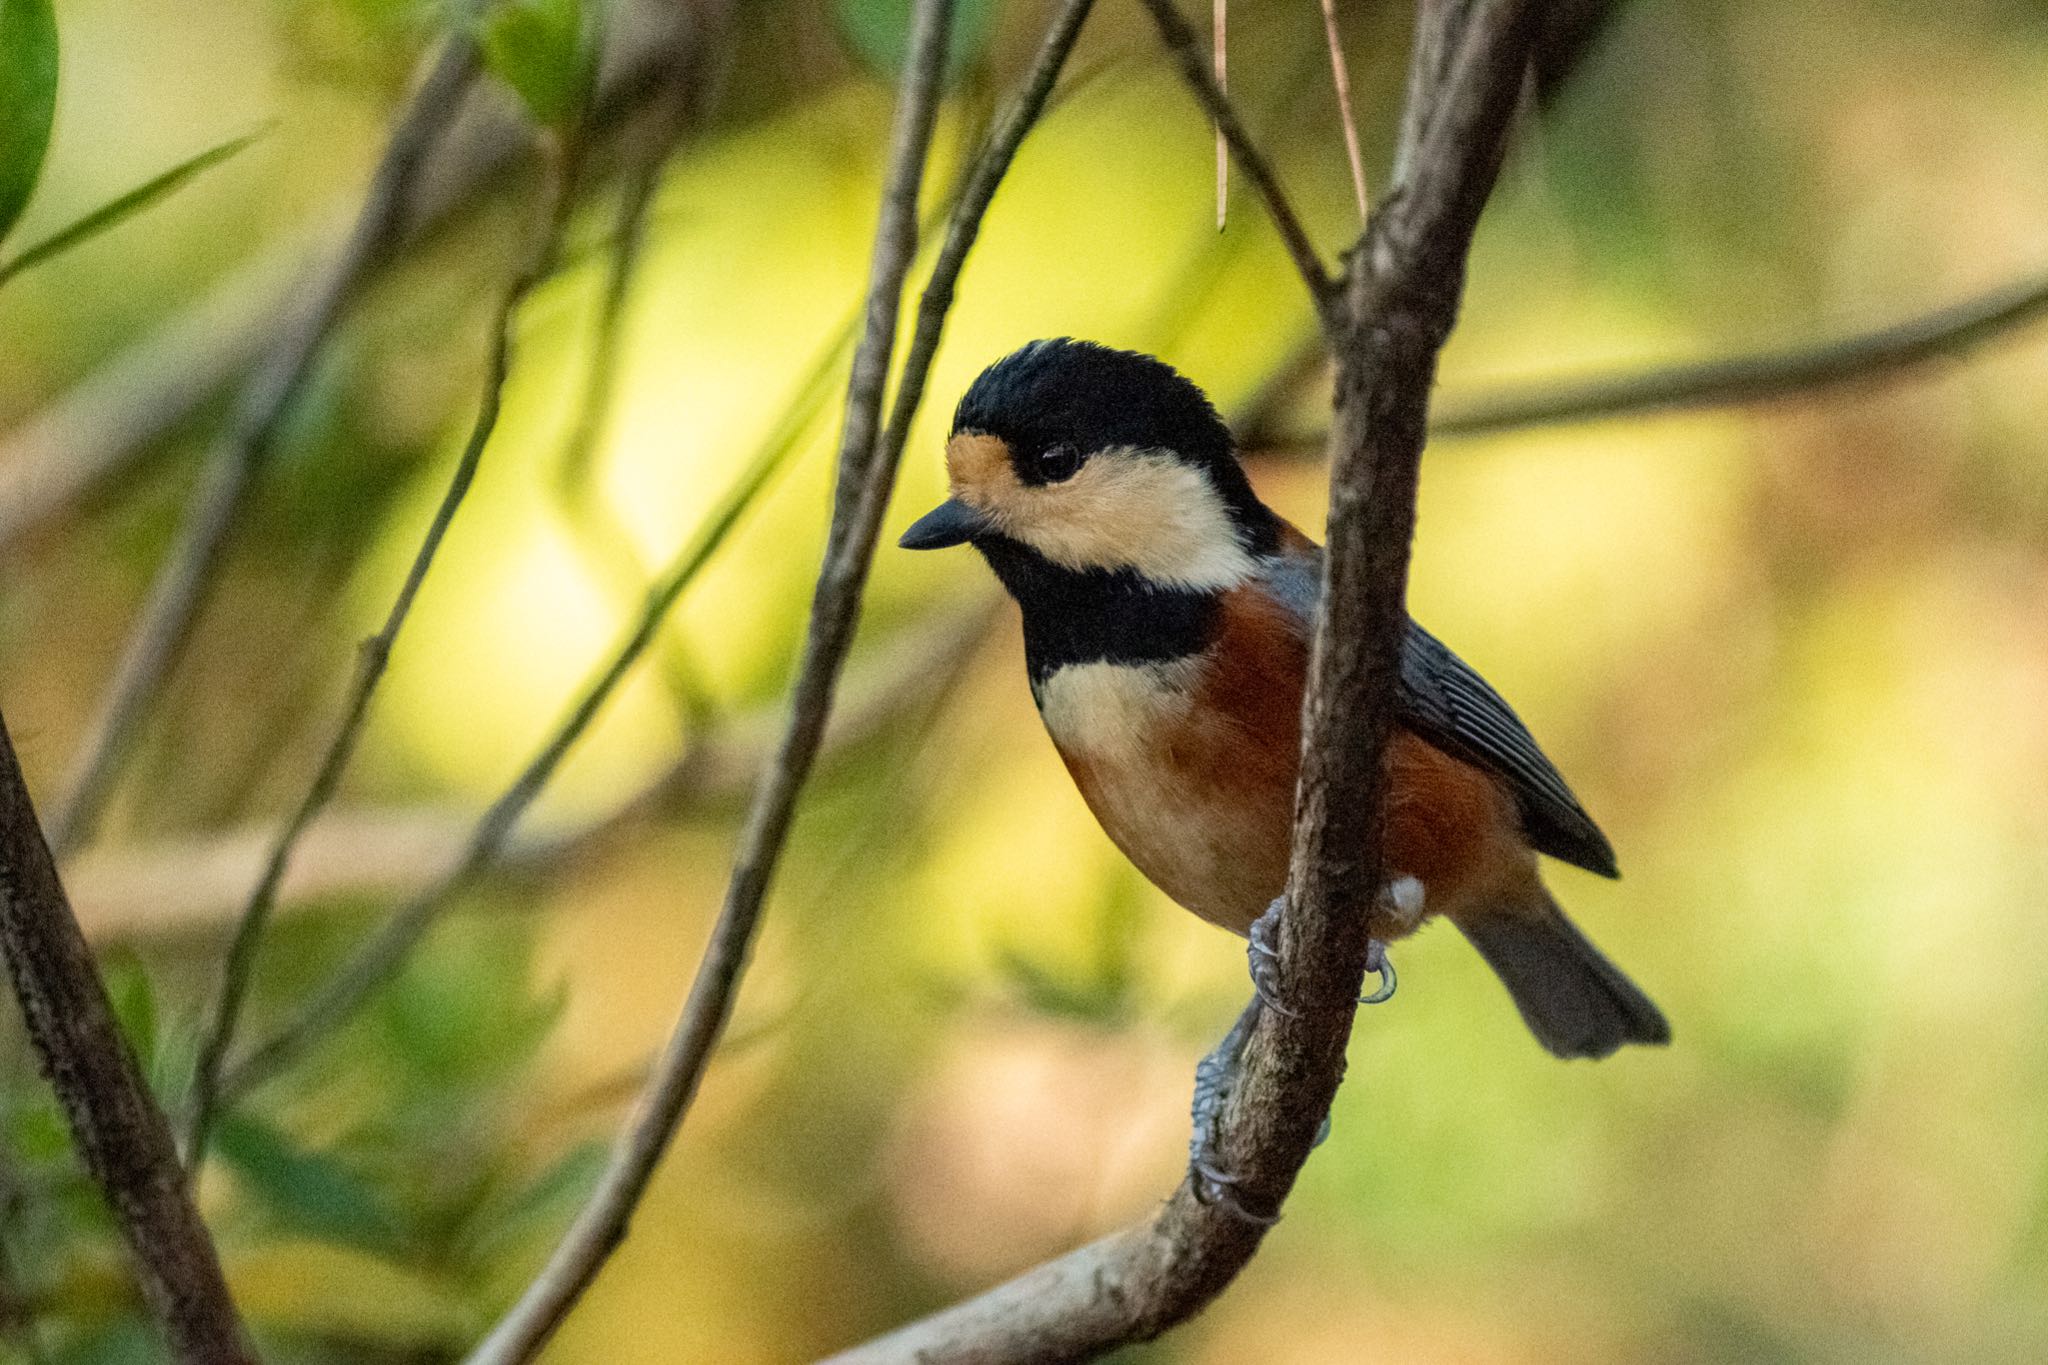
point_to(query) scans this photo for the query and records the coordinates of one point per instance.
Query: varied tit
(1167, 614)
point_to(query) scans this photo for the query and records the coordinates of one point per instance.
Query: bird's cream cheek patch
(1126, 509)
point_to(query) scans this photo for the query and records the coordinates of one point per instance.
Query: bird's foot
(1215, 1077)
(1400, 898)
(1262, 950)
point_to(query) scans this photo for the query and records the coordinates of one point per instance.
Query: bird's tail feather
(1576, 1002)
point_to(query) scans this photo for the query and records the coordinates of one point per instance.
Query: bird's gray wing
(1446, 702)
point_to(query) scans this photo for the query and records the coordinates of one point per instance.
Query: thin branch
(1340, 77)
(1136, 1283)
(557, 197)
(868, 464)
(377, 960)
(1186, 50)
(183, 582)
(115, 1121)
(1948, 333)
(1219, 30)
(1942, 334)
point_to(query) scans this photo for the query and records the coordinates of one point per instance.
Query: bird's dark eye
(1057, 462)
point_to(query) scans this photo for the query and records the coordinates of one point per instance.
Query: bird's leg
(1215, 1077)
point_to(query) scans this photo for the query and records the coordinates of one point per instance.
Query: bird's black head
(1099, 460)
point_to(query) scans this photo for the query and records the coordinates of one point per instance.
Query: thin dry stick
(865, 486)
(1340, 74)
(183, 582)
(1219, 26)
(1135, 1284)
(557, 196)
(115, 1121)
(1186, 50)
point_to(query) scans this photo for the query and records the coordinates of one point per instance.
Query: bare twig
(1219, 31)
(869, 458)
(1948, 333)
(182, 584)
(1340, 77)
(1942, 334)
(1401, 303)
(374, 963)
(551, 219)
(114, 1119)
(1186, 50)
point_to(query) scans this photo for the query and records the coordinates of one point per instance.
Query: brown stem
(115, 1121)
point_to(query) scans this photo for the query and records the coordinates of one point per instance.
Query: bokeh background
(1793, 656)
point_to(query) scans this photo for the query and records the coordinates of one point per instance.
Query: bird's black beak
(952, 522)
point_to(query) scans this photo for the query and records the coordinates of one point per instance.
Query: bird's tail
(1576, 1002)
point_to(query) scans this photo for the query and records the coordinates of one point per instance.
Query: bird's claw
(1376, 960)
(1213, 1185)
(1264, 956)
(1217, 1189)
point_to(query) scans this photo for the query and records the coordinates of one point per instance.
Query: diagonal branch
(115, 1121)
(1186, 50)
(183, 582)
(1399, 307)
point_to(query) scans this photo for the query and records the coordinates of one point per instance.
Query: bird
(1167, 615)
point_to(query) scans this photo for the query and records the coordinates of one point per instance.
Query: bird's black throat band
(1082, 616)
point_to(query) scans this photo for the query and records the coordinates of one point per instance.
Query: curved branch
(551, 219)
(1866, 357)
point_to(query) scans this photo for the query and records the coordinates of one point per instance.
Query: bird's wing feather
(1444, 700)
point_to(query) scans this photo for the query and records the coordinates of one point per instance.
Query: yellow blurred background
(1793, 656)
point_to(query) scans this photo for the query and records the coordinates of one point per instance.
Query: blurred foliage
(1796, 658)
(28, 100)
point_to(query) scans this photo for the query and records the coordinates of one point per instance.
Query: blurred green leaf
(540, 48)
(544, 1202)
(115, 212)
(1096, 999)
(28, 100)
(876, 34)
(312, 1193)
(134, 1001)
(464, 1014)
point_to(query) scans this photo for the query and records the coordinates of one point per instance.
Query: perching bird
(1166, 616)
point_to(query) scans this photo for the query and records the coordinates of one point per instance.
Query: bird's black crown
(1092, 397)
